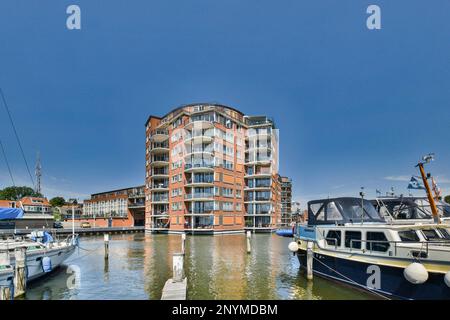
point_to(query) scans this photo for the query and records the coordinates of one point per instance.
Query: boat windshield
(353, 209)
(342, 210)
(424, 205)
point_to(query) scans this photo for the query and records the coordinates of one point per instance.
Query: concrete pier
(176, 288)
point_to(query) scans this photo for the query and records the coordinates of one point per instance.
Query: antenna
(362, 194)
(38, 173)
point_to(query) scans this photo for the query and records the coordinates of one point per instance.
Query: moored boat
(351, 243)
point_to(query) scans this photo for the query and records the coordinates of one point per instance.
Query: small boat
(43, 254)
(357, 247)
(285, 233)
(347, 240)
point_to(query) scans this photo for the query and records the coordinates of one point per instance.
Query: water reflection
(217, 267)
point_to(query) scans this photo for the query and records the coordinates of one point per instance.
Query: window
(334, 238)
(333, 213)
(445, 234)
(227, 192)
(353, 239)
(430, 234)
(227, 206)
(409, 236)
(376, 241)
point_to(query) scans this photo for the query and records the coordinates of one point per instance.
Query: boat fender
(293, 246)
(46, 264)
(447, 279)
(416, 273)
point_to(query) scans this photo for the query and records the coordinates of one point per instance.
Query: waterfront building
(37, 213)
(211, 169)
(116, 208)
(286, 201)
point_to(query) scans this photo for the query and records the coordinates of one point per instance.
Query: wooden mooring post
(309, 260)
(8, 271)
(176, 288)
(106, 240)
(20, 273)
(249, 246)
(183, 243)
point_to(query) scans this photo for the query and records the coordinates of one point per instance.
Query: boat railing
(424, 245)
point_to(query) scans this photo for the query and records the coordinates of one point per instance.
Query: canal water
(217, 267)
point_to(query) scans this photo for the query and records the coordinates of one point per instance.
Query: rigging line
(17, 136)
(7, 163)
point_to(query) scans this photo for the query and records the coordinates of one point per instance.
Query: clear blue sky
(354, 107)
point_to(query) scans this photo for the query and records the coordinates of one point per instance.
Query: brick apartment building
(116, 208)
(211, 169)
(286, 201)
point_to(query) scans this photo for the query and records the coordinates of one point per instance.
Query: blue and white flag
(414, 183)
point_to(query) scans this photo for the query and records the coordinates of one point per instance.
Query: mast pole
(429, 194)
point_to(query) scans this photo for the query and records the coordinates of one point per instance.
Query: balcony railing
(160, 199)
(199, 195)
(199, 165)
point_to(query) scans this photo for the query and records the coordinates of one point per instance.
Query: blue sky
(354, 107)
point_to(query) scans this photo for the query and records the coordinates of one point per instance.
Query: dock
(174, 290)
(79, 231)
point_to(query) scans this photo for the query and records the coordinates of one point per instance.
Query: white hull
(34, 260)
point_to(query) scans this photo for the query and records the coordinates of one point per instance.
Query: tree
(17, 193)
(57, 202)
(447, 199)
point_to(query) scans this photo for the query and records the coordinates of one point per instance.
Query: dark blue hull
(391, 282)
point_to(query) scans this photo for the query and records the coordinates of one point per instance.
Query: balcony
(136, 205)
(199, 124)
(199, 153)
(199, 138)
(159, 148)
(199, 196)
(160, 187)
(160, 199)
(159, 135)
(199, 167)
(158, 162)
(157, 174)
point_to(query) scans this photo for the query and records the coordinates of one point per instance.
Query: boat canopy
(342, 210)
(410, 207)
(10, 213)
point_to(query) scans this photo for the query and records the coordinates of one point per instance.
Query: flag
(414, 183)
(436, 189)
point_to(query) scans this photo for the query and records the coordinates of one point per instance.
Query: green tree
(447, 199)
(57, 202)
(17, 193)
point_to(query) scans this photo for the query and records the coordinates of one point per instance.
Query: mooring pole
(249, 247)
(183, 243)
(5, 291)
(20, 274)
(106, 241)
(178, 267)
(309, 260)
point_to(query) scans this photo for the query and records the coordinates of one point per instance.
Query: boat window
(377, 241)
(334, 238)
(430, 234)
(445, 234)
(355, 236)
(315, 207)
(333, 213)
(409, 236)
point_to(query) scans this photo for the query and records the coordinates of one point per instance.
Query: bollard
(249, 247)
(178, 267)
(309, 260)
(5, 288)
(20, 274)
(106, 240)
(183, 243)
